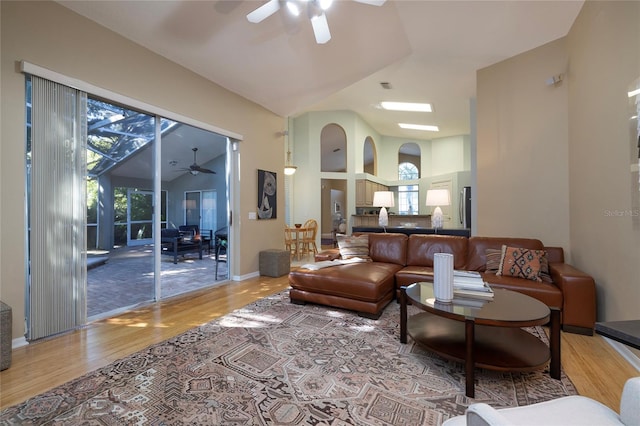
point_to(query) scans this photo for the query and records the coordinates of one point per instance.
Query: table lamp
(437, 198)
(383, 199)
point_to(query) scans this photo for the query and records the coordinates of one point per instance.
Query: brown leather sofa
(399, 260)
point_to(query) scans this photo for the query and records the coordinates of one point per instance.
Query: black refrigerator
(465, 207)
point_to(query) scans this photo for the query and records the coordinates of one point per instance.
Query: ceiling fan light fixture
(293, 8)
(325, 4)
(195, 169)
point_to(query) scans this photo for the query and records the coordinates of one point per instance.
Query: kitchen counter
(419, 220)
(417, 230)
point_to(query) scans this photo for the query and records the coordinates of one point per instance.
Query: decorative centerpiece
(443, 277)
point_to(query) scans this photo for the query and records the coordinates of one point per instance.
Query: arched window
(409, 161)
(369, 157)
(408, 171)
(333, 142)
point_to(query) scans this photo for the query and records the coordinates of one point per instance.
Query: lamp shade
(383, 199)
(438, 197)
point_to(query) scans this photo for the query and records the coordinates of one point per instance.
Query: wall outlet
(252, 216)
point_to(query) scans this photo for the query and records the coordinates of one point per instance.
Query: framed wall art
(267, 195)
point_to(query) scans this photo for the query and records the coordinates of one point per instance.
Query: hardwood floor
(594, 367)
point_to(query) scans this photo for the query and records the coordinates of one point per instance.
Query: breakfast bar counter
(371, 219)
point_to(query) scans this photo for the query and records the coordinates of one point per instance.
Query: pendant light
(289, 168)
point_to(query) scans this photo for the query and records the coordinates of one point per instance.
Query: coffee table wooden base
(493, 348)
(489, 336)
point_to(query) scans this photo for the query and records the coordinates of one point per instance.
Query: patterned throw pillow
(493, 260)
(544, 269)
(351, 246)
(521, 263)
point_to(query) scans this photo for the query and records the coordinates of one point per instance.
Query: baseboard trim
(625, 352)
(19, 342)
(246, 276)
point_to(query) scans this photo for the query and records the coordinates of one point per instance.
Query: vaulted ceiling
(428, 51)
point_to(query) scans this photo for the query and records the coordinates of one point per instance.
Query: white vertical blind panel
(57, 292)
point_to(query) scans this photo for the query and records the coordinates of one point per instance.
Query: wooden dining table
(297, 235)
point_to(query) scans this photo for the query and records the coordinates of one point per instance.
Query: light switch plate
(252, 216)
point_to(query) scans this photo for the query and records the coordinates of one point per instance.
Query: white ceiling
(428, 51)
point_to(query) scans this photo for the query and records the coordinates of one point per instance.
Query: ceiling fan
(194, 169)
(315, 12)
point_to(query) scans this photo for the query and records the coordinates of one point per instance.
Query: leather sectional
(399, 260)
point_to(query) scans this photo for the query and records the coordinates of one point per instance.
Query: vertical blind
(57, 210)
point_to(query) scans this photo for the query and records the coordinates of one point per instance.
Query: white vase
(443, 277)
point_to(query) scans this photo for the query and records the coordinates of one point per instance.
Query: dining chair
(309, 238)
(289, 242)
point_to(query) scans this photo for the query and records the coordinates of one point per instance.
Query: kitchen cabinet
(365, 190)
(360, 191)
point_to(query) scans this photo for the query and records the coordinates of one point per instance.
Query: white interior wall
(522, 147)
(604, 49)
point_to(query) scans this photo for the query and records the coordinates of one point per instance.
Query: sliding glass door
(120, 144)
(94, 234)
(201, 209)
(194, 174)
(140, 214)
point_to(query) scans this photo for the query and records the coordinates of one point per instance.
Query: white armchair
(565, 411)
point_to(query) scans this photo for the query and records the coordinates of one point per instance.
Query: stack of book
(469, 284)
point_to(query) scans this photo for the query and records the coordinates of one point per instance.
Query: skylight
(422, 127)
(406, 106)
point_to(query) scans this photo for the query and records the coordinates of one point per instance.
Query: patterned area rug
(273, 362)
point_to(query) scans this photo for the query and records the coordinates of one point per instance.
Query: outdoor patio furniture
(221, 246)
(205, 234)
(174, 243)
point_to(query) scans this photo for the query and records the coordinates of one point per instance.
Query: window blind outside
(57, 210)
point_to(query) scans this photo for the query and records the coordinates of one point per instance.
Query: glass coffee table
(485, 334)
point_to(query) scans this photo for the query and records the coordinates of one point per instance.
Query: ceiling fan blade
(203, 170)
(321, 28)
(264, 11)
(372, 2)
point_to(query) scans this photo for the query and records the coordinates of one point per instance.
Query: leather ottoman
(363, 287)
